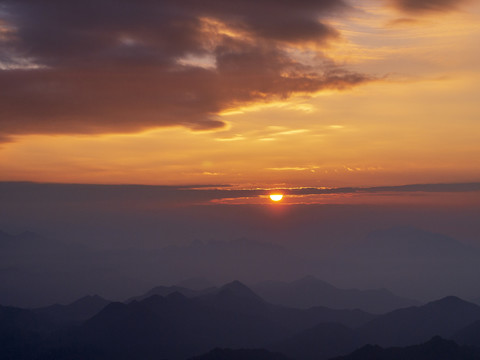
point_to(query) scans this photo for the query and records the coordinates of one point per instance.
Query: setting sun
(276, 197)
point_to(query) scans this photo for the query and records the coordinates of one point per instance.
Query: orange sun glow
(276, 197)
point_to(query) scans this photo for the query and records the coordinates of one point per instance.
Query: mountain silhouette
(240, 354)
(22, 333)
(469, 335)
(310, 291)
(412, 261)
(238, 292)
(321, 342)
(414, 325)
(435, 349)
(177, 327)
(196, 283)
(167, 290)
(173, 326)
(22, 320)
(78, 311)
(405, 241)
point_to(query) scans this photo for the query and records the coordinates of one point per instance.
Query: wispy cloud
(294, 168)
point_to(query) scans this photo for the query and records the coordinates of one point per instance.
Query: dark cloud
(141, 195)
(113, 66)
(440, 188)
(420, 6)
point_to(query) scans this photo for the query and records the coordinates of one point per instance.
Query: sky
(253, 94)
(127, 126)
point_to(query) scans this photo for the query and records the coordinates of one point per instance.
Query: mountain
(118, 331)
(240, 291)
(299, 319)
(205, 258)
(310, 291)
(323, 341)
(15, 319)
(22, 333)
(401, 327)
(37, 271)
(65, 270)
(469, 335)
(176, 326)
(173, 326)
(167, 290)
(405, 241)
(435, 349)
(240, 354)
(409, 261)
(414, 325)
(237, 294)
(196, 283)
(76, 312)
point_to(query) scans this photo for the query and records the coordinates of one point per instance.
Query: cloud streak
(104, 66)
(425, 6)
(159, 196)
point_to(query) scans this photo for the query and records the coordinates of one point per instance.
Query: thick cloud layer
(116, 66)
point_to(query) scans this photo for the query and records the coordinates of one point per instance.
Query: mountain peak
(235, 285)
(89, 299)
(176, 296)
(239, 290)
(450, 301)
(195, 283)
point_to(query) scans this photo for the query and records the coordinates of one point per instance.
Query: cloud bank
(423, 6)
(102, 66)
(158, 196)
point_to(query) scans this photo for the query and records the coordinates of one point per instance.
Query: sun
(276, 197)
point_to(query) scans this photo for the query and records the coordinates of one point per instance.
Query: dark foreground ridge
(232, 316)
(435, 349)
(240, 354)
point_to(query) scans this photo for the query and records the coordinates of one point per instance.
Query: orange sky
(412, 118)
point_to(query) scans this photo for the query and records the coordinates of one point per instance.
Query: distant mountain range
(410, 260)
(75, 312)
(166, 327)
(450, 317)
(310, 291)
(64, 270)
(240, 354)
(230, 317)
(469, 335)
(36, 271)
(167, 290)
(414, 325)
(304, 293)
(435, 349)
(410, 242)
(320, 342)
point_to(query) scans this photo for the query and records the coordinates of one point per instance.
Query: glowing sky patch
(276, 197)
(371, 94)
